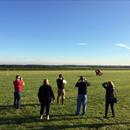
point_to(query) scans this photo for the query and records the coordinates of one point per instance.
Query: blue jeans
(81, 99)
(17, 99)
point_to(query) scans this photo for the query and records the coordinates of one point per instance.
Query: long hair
(45, 82)
(111, 84)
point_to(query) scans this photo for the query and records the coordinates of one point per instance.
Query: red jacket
(18, 85)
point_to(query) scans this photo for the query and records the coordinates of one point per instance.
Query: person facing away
(82, 85)
(18, 87)
(45, 96)
(61, 89)
(109, 97)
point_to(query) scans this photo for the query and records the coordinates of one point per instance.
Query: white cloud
(82, 44)
(123, 46)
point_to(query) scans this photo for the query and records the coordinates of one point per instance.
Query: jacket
(45, 93)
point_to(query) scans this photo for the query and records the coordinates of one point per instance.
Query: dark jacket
(109, 92)
(45, 93)
(60, 84)
(82, 87)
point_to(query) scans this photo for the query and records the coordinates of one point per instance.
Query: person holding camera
(109, 97)
(61, 89)
(18, 88)
(82, 85)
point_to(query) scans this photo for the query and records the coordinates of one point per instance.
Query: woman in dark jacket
(45, 96)
(110, 94)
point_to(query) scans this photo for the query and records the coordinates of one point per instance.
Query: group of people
(46, 95)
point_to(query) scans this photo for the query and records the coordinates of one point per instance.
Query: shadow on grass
(86, 126)
(30, 119)
(18, 121)
(23, 105)
(56, 118)
(66, 117)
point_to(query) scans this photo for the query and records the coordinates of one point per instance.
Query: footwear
(14, 106)
(41, 117)
(77, 114)
(17, 107)
(48, 118)
(83, 113)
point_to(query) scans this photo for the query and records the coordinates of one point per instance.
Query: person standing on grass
(109, 99)
(45, 96)
(82, 85)
(61, 90)
(18, 87)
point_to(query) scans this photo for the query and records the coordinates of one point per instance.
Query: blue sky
(81, 32)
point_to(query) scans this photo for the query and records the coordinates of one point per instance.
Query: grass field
(62, 116)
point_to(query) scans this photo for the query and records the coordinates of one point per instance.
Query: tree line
(61, 67)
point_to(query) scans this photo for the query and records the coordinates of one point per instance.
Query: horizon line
(60, 65)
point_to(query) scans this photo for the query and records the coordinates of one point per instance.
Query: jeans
(17, 99)
(81, 99)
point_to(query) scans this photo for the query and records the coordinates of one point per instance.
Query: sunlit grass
(62, 116)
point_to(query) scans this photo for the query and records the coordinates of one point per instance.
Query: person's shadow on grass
(96, 126)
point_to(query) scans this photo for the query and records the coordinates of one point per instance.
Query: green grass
(62, 116)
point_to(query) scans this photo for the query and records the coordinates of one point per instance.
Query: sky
(60, 32)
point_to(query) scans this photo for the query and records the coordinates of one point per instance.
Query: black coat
(45, 94)
(82, 87)
(60, 84)
(109, 93)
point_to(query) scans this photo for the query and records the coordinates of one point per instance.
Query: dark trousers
(17, 99)
(112, 108)
(43, 106)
